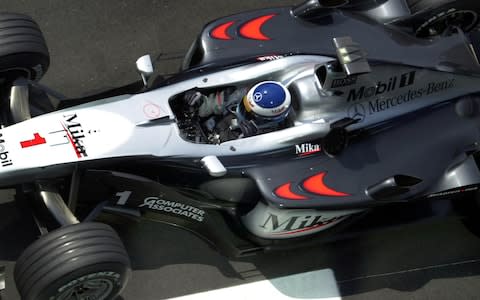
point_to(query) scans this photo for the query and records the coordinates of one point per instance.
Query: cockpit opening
(217, 115)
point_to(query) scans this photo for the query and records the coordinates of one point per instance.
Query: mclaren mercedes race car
(282, 124)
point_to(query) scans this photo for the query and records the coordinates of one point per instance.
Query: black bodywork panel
(216, 221)
(285, 34)
(193, 210)
(425, 146)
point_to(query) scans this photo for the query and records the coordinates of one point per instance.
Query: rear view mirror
(145, 67)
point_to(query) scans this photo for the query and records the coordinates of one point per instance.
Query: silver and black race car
(383, 109)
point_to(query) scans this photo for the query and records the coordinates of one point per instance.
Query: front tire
(434, 17)
(23, 50)
(81, 261)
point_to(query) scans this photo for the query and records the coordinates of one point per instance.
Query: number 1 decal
(123, 197)
(37, 140)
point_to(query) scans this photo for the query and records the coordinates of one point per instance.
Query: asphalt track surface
(93, 46)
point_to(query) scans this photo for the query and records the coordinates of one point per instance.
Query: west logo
(295, 223)
(336, 83)
(305, 149)
(269, 57)
(4, 160)
(75, 134)
(406, 79)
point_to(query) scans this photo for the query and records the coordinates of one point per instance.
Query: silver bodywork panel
(116, 127)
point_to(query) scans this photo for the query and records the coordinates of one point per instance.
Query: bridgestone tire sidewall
(115, 273)
(69, 255)
(427, 17)
(423, 6)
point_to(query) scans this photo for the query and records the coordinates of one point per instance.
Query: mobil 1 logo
(360, 110)
(390, 85)
(5, 161)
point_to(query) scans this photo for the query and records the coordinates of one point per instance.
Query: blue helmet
(268, 101)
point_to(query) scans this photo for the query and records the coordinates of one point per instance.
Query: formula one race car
(283, 123)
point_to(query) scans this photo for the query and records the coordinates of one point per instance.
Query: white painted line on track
(465, 262)
(315, 285)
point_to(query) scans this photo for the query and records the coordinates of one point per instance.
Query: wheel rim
(93, 289)
(464, 19)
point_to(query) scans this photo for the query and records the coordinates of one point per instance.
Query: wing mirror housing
(311, 7)
(214, 166)
(145, 67)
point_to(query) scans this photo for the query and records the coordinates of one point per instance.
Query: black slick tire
(87, 260)
(23, 50)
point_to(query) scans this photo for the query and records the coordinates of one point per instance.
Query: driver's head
(267, 101)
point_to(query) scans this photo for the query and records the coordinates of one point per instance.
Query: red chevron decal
(220, 32)
(253, 28)
(316, 185)
(285, 191)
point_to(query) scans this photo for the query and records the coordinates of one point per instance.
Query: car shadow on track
(177, 263)
(169, 262)
(16, 229)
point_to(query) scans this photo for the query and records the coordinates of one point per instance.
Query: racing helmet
(266, 102)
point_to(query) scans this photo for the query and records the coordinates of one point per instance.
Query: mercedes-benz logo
(257, 96)
(357, 111)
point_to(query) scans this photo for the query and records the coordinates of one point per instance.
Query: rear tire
(87, 260)
(23, 50)
(434, 17)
